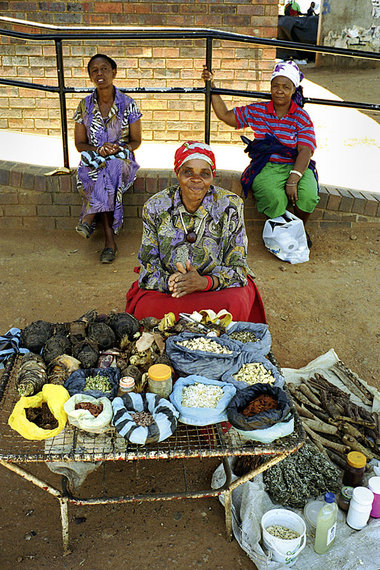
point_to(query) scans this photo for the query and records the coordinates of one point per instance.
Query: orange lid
(159, 372)
(356, 459)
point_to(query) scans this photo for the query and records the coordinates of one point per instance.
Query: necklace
(191, 237)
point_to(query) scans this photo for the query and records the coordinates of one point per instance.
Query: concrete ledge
(31, 200)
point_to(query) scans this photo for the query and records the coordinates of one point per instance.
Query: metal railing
(61, 34)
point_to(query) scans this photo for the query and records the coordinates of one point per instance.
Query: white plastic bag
(83, 419)
(285, 237)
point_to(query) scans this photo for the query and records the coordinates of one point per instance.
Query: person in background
(107, 132)
(311, 10)
(292, 9)
(281, 172)
(193, 254)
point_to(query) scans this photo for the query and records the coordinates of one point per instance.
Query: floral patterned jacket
(220, 248)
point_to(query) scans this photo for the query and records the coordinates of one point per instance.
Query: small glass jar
(160, 380)
(345, 498)
(126, 384)
(354, 470)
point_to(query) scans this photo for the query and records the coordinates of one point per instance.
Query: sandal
(108, 255)
(84, 229)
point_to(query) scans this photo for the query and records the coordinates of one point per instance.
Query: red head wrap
(193, 149)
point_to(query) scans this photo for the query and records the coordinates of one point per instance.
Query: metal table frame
(73, 445)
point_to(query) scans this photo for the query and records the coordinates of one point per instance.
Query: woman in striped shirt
(281, 171)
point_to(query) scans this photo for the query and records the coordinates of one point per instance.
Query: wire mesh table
(73, 446)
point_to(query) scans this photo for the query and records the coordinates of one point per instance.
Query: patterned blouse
(220, 248)
(115, 128)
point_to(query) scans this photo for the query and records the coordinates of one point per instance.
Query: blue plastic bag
(207, 364)
(261, 347)
(76, 381)
(201, 416)
(244, 358)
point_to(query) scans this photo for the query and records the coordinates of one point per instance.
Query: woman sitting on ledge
(193, 254)
(107, 132)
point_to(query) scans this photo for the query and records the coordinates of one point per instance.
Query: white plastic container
(282, 550)
(360, 508)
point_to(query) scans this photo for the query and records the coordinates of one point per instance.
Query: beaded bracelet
(210, 283)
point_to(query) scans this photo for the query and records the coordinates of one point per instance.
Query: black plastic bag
(262, 420)
(76, 381)
(199, 362)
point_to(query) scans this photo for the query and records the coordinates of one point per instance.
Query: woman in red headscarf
(193, 254)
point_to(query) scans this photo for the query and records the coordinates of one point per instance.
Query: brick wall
(30, 200)
(140, 64)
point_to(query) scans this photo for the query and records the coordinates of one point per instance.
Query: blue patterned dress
(102, 187)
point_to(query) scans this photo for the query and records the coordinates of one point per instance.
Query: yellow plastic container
(160, 380)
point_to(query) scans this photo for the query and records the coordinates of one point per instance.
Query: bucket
(284, 550)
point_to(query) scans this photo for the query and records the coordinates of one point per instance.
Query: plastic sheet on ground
(351, 550)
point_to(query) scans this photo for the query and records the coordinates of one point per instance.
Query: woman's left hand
(291, 190)
(186, 280)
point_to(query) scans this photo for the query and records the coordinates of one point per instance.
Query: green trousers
(268, 189)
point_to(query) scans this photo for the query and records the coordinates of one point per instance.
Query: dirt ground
(331, 301)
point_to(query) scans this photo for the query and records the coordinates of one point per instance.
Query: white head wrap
(290, 70)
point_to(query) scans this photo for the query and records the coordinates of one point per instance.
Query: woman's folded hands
(186, 280)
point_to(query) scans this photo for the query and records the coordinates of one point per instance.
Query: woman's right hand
(106, 149)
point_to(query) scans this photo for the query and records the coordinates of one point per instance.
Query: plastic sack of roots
(249, 370)
(95, 382)
(263, 419)
(89, 414)
(193, 353)
(198, 414)
(50, 401)
(144, 418)
(259, 333)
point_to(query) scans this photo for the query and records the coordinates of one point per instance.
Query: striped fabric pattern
(293, 129)
(164, 413)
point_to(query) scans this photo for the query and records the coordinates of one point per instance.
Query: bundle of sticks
(327, 410)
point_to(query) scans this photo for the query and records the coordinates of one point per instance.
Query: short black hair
(111, 61)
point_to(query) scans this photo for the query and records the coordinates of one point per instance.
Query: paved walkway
(348, 153)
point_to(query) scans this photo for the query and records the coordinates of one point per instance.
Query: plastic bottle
(160, 380)
(354, 470)
(326, 525)
(360, 508)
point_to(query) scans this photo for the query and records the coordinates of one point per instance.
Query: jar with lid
(160, 380)
(126, 384)
(360, 508)
(354, 470)
(345, 498)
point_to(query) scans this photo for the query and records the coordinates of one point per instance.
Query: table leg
(63, 503)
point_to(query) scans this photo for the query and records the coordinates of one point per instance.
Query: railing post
(62, 101)
(208, 90)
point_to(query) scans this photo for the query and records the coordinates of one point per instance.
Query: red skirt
(244, 303)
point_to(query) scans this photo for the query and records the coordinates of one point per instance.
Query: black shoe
(108, 255)
(309, 242)
(84, 229)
